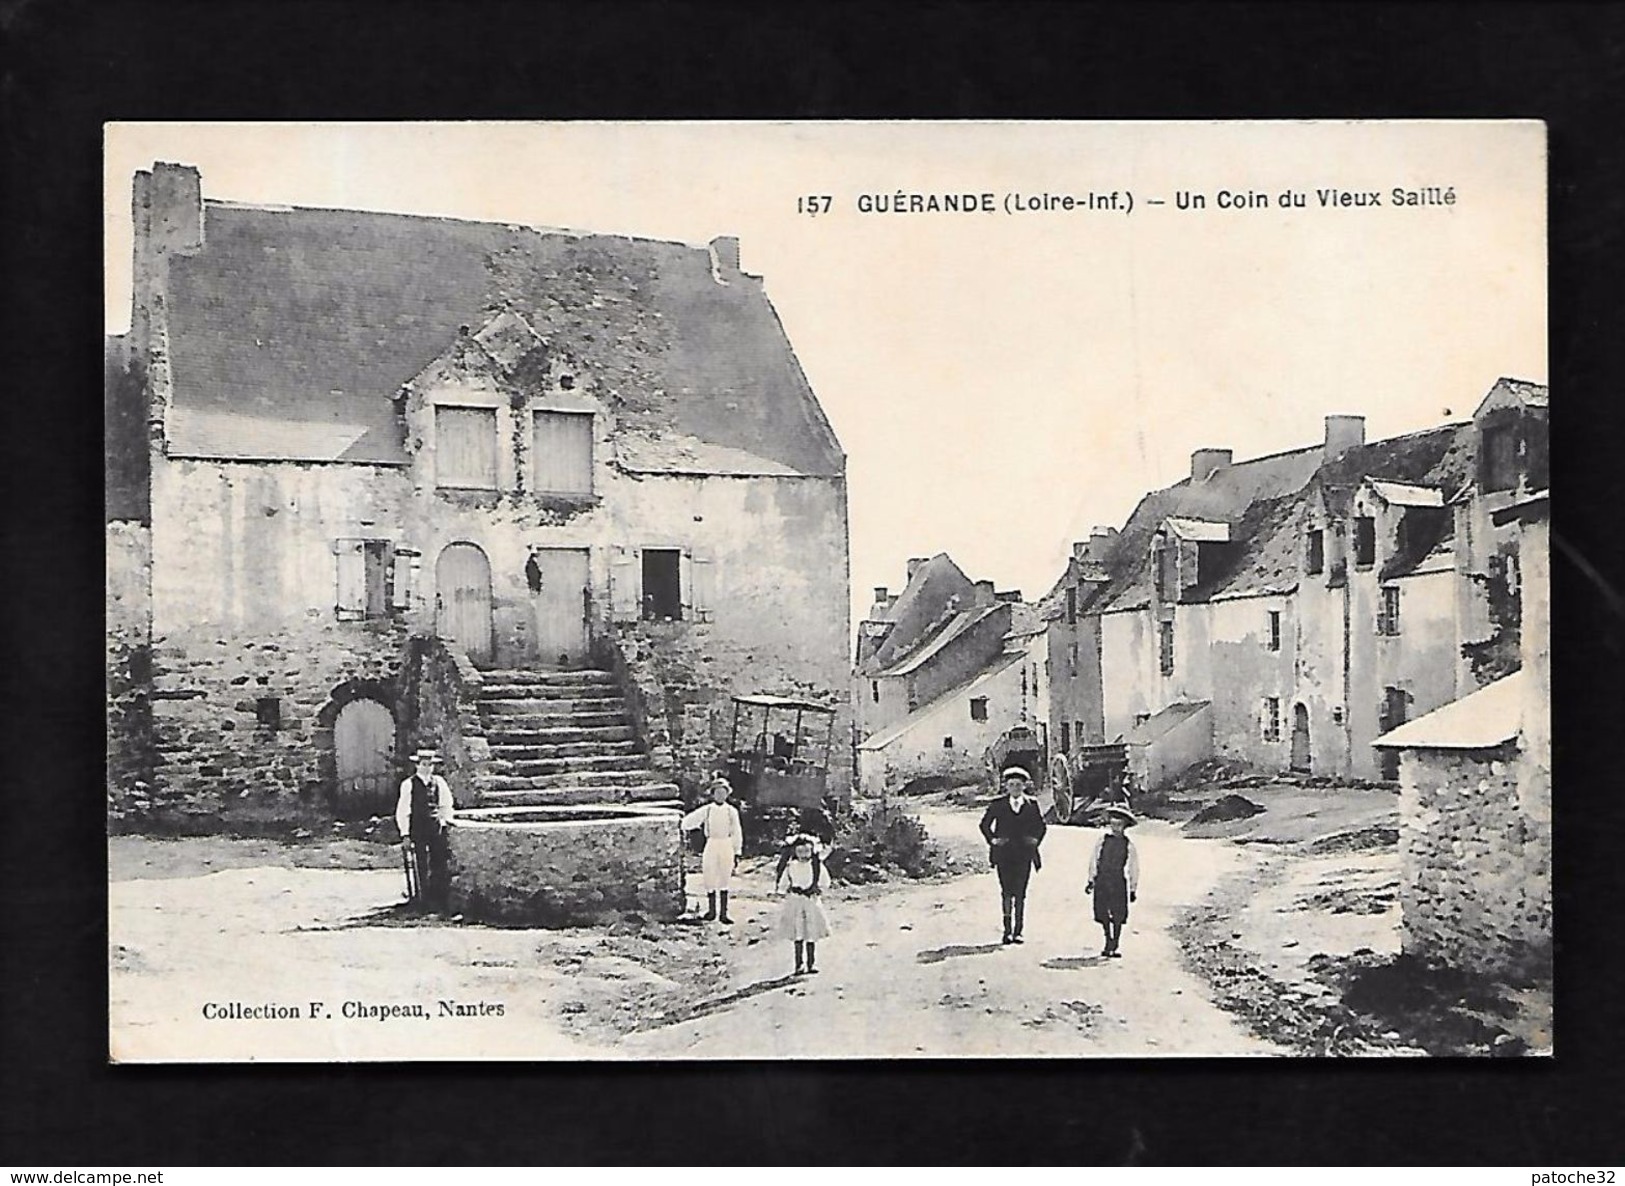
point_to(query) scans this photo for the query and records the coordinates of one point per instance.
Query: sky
(1003, 381)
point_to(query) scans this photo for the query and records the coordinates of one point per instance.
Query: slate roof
(1163, 723)
(957, 625)
(884, 737)
(1483, 719)
(315, 318)
(1264, 502)
(926, 603)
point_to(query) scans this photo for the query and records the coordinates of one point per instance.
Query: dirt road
(918, 971)
(202, 931)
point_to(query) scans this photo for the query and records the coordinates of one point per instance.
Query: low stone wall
(445, 713)
(566, 866)
(1476, 886)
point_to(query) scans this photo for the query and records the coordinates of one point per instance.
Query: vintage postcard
(605, 591)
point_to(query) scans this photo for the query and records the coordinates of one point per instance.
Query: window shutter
(561, 453)
(350, 601)
(702, 591)
(623, 585)
(403, 586)
(465, 447)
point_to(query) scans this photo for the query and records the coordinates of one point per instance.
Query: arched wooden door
(364, 758)
(1301, 758)
(463, 600)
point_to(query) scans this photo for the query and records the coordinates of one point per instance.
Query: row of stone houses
(381, 463)
(944, 668)
(1283, 613)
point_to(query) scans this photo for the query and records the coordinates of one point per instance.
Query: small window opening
(268, 713)
(662, 585)
(978, 709)
(1365, 541)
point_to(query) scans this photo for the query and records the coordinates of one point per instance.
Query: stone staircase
(562, 737)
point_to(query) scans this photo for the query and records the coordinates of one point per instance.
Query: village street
(919, 971)
(912, 970)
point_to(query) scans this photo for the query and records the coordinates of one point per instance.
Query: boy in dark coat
(1114, 877)
(1014, 827)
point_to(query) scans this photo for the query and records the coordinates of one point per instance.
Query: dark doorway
(1391, 716)
(662, 585)
(1301, 760)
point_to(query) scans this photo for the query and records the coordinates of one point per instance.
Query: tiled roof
(1484, 719)
(317, 318)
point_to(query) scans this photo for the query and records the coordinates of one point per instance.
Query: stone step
(655, 792)
(528, 717)
(520, 745)
(550, 679)
(494, 776)
(503, 761)
(510, 730)
(554, 700)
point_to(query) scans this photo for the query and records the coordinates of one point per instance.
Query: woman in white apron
(724, 841)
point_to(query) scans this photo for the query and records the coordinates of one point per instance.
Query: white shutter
(561, 453)
(350, 600)
(702, 575)
(465, 447)
(404, 581)
(623, 585)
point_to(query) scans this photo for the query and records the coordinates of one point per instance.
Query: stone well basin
(566, 865)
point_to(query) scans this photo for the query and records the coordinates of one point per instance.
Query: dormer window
(1365, 541)
(561, 453)
(465, 448)
(1314, 559)
(1498, 457)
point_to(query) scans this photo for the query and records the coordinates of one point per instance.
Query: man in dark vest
(423, 813)
(1014, 827)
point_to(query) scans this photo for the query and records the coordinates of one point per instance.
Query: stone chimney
(914, 565)
(880, 594)
(1206, 462)
(724, 258)
(1011, 596)
(1342, 434)
(1100, 543)
(984, 593)
(174, 196)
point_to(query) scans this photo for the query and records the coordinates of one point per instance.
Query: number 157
(816, 204)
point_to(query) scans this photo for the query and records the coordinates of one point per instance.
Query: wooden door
(561, 607)
(364, 758)
(463, 600)
(1301, 758)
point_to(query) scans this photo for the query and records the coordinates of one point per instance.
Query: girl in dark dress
(1114, 877)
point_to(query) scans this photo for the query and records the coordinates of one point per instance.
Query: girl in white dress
(802, 919)
(724, 841)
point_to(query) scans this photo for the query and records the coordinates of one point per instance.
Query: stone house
(943, 669)
(1310, 600)
(410, 476)
(1476, 790)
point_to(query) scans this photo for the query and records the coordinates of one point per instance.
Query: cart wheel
(1061, 780)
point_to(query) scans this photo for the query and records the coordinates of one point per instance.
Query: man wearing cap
(1114, 877)
(422, 814)
(724, 841)
(1014, 827)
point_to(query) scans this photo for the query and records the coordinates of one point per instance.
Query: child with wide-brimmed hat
(802, 919)
(1114, 876)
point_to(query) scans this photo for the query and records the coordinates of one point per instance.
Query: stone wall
(1476, 886)
(244, 723)
(129, 669)
(684, 675)
(562, 866)
(443, 712)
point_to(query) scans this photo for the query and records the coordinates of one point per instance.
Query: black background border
(70, 66)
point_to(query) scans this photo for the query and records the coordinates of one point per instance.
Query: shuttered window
(465, 453)
(561, 453)
(365, 569)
